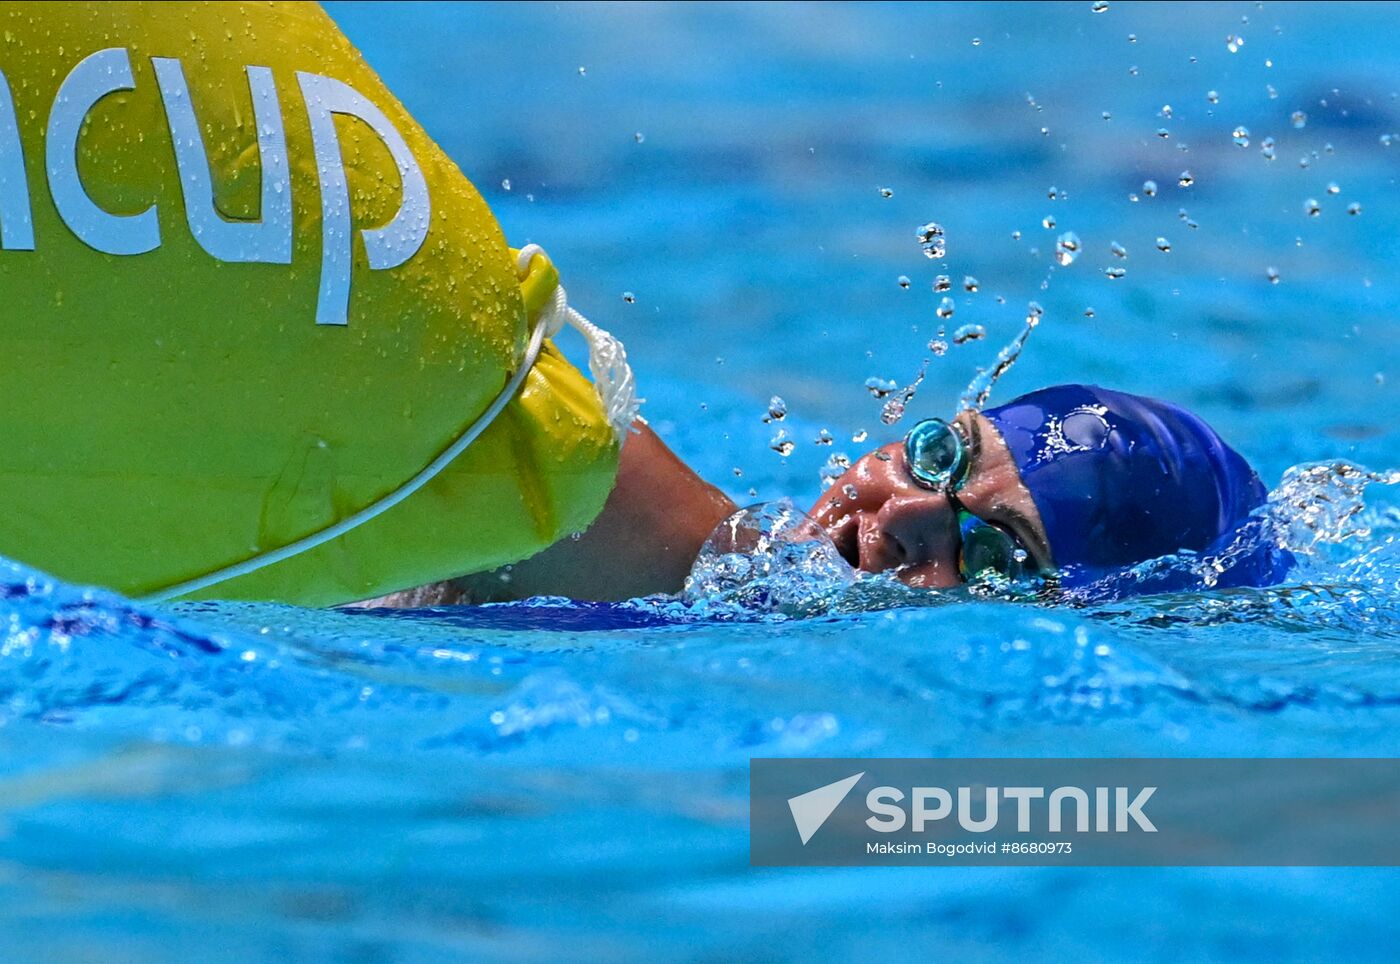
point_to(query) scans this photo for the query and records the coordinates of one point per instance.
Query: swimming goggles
(937, 456)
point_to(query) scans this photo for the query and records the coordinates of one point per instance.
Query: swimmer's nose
(880, 519)
(919, 535)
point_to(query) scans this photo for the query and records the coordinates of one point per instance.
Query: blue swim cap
(1120, 479)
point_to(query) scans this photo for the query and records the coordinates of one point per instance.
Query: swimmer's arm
(651, 528)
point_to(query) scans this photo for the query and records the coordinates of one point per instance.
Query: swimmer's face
(894, 523)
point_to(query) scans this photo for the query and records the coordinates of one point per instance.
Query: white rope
(612, 380)
(607, 358)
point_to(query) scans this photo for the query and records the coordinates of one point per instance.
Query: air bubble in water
(903, 281)
(860, 436)
(777, 410)
(1185, 179)
(942, 283)
(1088, 312)
(1299, 119)
(781, 444)
(1149, 188)
(639, 137)
(1115, 273)
(505, 184)
(1099, 6)
(1053, 194)
(824, 437)
(945, 308)
(1163, 132)
(1067, 248)
(939, 347)
(1163, 245)
(970, 283)
(1266, 147)
(969, 333)
(1334, 188)
(1048, 222)
(1272, 275)
(1213, 96)
(1354, 208)
(629, 297)
(886, 192)
(1118, 250)
(1312, 208)
(932, 241)
(1241, 136)
(1015, 235)
(1233, 43)
(1107, 116)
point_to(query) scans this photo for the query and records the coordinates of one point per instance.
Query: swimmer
(1069, 484)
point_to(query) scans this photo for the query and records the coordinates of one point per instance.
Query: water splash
(769, 558)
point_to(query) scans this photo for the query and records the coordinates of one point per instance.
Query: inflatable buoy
(249, 308)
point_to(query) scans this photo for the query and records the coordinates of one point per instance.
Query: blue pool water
(255, 782)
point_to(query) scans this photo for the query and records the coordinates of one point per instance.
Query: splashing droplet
(1354, 208)
(1185, 179)
(777, 410)
(932, 241)
(1272, 275)
(886, 192)
(1163, 245)
(629, 297)
(1241, 136)
(1149, 188)
(1233, 43)
(1067, 248)
(939, 347)
(1213, 96)
(781, 444)
(903, 281)
(942, 283)
(945, 308)
(1048, 222)
(1299, 119)
(824, 437)
(1312, 208)
(969, 333)
(1334, 188)
(1118, 250)
(1115, 273)
(1099, 6)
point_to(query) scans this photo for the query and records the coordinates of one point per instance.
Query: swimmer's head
(1073, 478)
